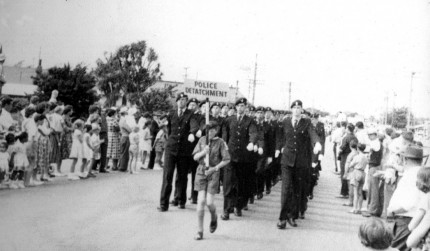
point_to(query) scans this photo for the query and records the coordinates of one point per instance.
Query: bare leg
(201, 203)
(130, 162)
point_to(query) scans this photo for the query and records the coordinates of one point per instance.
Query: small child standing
(145, 141)
(349, 170)
(207, 175)
(77, 151)
(133, 150)
(160, 141)
(11, 149)
(358, 163)
(88, 154)
(95, 143)
(4, 164)
(375, 235)
(20, 160)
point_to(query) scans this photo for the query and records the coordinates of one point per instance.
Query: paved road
(118, 212)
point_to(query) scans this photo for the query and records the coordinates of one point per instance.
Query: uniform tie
(180, 112)
(295, 123)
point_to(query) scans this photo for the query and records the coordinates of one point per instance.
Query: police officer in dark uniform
(177, 152)
(276, 166)
(250, 112)
(240, 133)
(316, 160)
(296, 133)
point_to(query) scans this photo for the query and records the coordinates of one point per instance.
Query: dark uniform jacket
(238, 135)
(319, 129)
(219, 120)
(178, 130)
(295, 142)
(266, 135)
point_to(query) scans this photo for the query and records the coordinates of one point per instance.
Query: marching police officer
(316, 161)
(296, 133)
(177, 152)
(240, 133)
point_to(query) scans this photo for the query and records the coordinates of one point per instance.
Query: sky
(339, 55)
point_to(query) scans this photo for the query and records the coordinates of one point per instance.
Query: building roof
(14, 89)
(19, 75)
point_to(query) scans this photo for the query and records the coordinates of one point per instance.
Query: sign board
(201, 89)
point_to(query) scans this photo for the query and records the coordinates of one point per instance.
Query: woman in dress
(113, 138)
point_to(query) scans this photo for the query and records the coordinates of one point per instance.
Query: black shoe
(194, 202)
(238, 212)
(213, 226)
(245, 208)
(225, 216)
(259, 196)
(161, 209)
(174, 203)
(181, 206)
(282, 224)
(91, 175)
(104, 171)
(251, 200)
(231, 210)
(302, 216)
(292, 222)
(268, 192)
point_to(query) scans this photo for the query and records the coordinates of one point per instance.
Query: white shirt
(29, 126)
(407, 196)
(362, 137)
(375, 145)
(338, 135)
(56, 122)
(6, 119)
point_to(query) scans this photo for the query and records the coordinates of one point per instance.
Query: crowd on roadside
(388, 168)
(35, 139)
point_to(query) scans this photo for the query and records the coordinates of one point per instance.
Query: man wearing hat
(406, 198)
(240, 133)
(177, 154)
(295, 136)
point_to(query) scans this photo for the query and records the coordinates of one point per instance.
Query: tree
(399, 117)
(132, 69)
(154, 100)
(75, 87)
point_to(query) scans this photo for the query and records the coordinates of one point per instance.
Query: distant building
(18, 81)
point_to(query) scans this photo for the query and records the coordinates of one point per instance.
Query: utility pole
(255, 80)
(410, 101)
(186, 72)
(237, 90)
(289, 94)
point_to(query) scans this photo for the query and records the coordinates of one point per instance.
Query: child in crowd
(133, 150)
(95, 143)
(160, 141)
(207, 175)
(145, 141)
(4, 164)
(11, 149)
(349, 170)
(77, 151)
(20, 161)
(358, 163)
(420, 223)
(88, 154)
(375, 235)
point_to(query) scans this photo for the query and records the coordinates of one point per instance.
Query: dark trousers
(103, 151)
(401, 233)
(253, 179)
(94, 164)
(335, 155)
(375, 193)
(303, 189)
(344, 191)
(289, 193)
(152, 155)
(170, 163)
(264, 175)
(244, 183)
(315, 173)
(123, 153)
(229, 187)
(276, 169)
(193, 167)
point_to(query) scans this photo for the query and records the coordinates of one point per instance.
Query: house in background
(18, 81)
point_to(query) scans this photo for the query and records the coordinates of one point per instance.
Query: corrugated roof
(15, 89)
(18, 75)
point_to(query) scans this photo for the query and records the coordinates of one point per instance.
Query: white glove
(314, 164)
(269, 160)
(320, 157)
(255, 148)
(191, 138)
(277, 152)
(250, 147)
(317, 148)
(282, 150)
(199, 134)
(260, 151)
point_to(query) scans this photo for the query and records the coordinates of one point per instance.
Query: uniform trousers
(276, 169)
(152, 155)
(253, 179)
(103, 150)
(264, 175)
(229, 188)
(124, 145)
(289, 192)
(304, 187)
(315, 173)
(344, 191)
(181, 163)
(244, 173)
